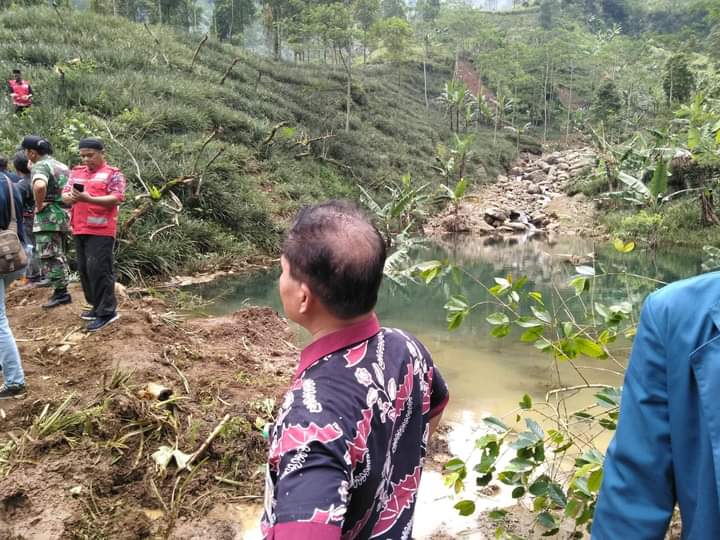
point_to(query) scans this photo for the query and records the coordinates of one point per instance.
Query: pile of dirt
(530, 199)
(76, 455)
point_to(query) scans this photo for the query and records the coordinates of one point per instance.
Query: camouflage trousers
(51, 247)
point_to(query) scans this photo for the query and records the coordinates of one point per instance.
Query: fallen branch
(157, 42)
(228, 70)
(307, 142)
(209, 164)
(270, 137)
(200, 451)
(180, 373)
(132, 157)
(57, 12)
(236, 483)
(197, 51)
(163, 228)
(202, 149)
(338, 164)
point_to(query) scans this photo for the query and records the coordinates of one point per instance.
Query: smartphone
(79, 187)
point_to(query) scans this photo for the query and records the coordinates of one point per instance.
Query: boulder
(517, 227)
(553, 158)
(455, 224)
(537, 176)
(484, 228)
(493, 214)
(534, 189)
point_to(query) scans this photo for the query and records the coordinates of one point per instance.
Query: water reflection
(488, 375)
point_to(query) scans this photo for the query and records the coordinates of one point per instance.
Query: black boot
(59, 297)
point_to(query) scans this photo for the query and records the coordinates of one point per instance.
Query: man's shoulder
(686, 302)
(699, 291)
(405, 341)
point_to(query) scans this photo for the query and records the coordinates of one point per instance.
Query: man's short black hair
(3, 162)
(21, 163)
(339, 254)
(16, 70)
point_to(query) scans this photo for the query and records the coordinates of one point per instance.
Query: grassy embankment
(162, 109)
(674, 223)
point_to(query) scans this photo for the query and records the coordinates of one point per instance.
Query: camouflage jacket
(53, 217)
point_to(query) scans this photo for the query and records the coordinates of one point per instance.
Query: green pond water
(486, 374)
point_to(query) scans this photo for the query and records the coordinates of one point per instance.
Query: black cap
(92, 143)
(37, 143)
(16, 70)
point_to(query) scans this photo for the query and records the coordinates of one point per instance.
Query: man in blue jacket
(13, 385)
(667, 446)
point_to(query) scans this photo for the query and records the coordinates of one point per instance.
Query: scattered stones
(517, 202)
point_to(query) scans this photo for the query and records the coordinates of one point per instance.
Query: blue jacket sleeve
(637, 495)
(17, 199)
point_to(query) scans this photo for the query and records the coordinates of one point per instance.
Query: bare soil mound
(76, 455)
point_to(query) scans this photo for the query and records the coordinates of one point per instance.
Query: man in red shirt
(95, 190)
(349, 441)
(20, 92)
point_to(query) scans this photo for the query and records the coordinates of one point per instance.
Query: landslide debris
(77, 454)
(529, 199)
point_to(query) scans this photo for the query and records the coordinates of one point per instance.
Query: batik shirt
(55, 174)
(347, 448)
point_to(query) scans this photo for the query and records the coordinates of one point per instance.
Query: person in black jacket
(12, 372)
(32, 270)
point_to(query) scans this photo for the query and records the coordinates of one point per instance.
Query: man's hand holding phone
(77, 193)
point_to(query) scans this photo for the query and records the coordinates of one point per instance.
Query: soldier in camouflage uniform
(51, 220)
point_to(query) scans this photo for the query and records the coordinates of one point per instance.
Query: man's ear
(306, 298)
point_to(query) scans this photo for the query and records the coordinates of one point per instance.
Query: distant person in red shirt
(20, 91)
(95, 190)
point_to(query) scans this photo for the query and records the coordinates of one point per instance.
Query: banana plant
(454, 196)
(652, 195)
(404, 206)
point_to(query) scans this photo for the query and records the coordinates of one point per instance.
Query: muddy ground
(76, 453)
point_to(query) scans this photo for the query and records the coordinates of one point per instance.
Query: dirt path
(86, 470)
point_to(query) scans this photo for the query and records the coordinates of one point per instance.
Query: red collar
(360, 331)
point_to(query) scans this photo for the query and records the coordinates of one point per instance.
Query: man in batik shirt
(347, 448)
(48, 178)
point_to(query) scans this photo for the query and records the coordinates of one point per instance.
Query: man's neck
(329, 324)
(96, 169)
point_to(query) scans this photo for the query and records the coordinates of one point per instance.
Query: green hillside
(99, 75)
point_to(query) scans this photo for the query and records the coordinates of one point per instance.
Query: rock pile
(518, 202)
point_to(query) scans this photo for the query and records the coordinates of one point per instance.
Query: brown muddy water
(486, 375)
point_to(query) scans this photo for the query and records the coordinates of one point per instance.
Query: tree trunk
(347, 63)
(545, 101)
(707, 205)
(567, 127)
(427, 105)
(232, 19)
(364, 46)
